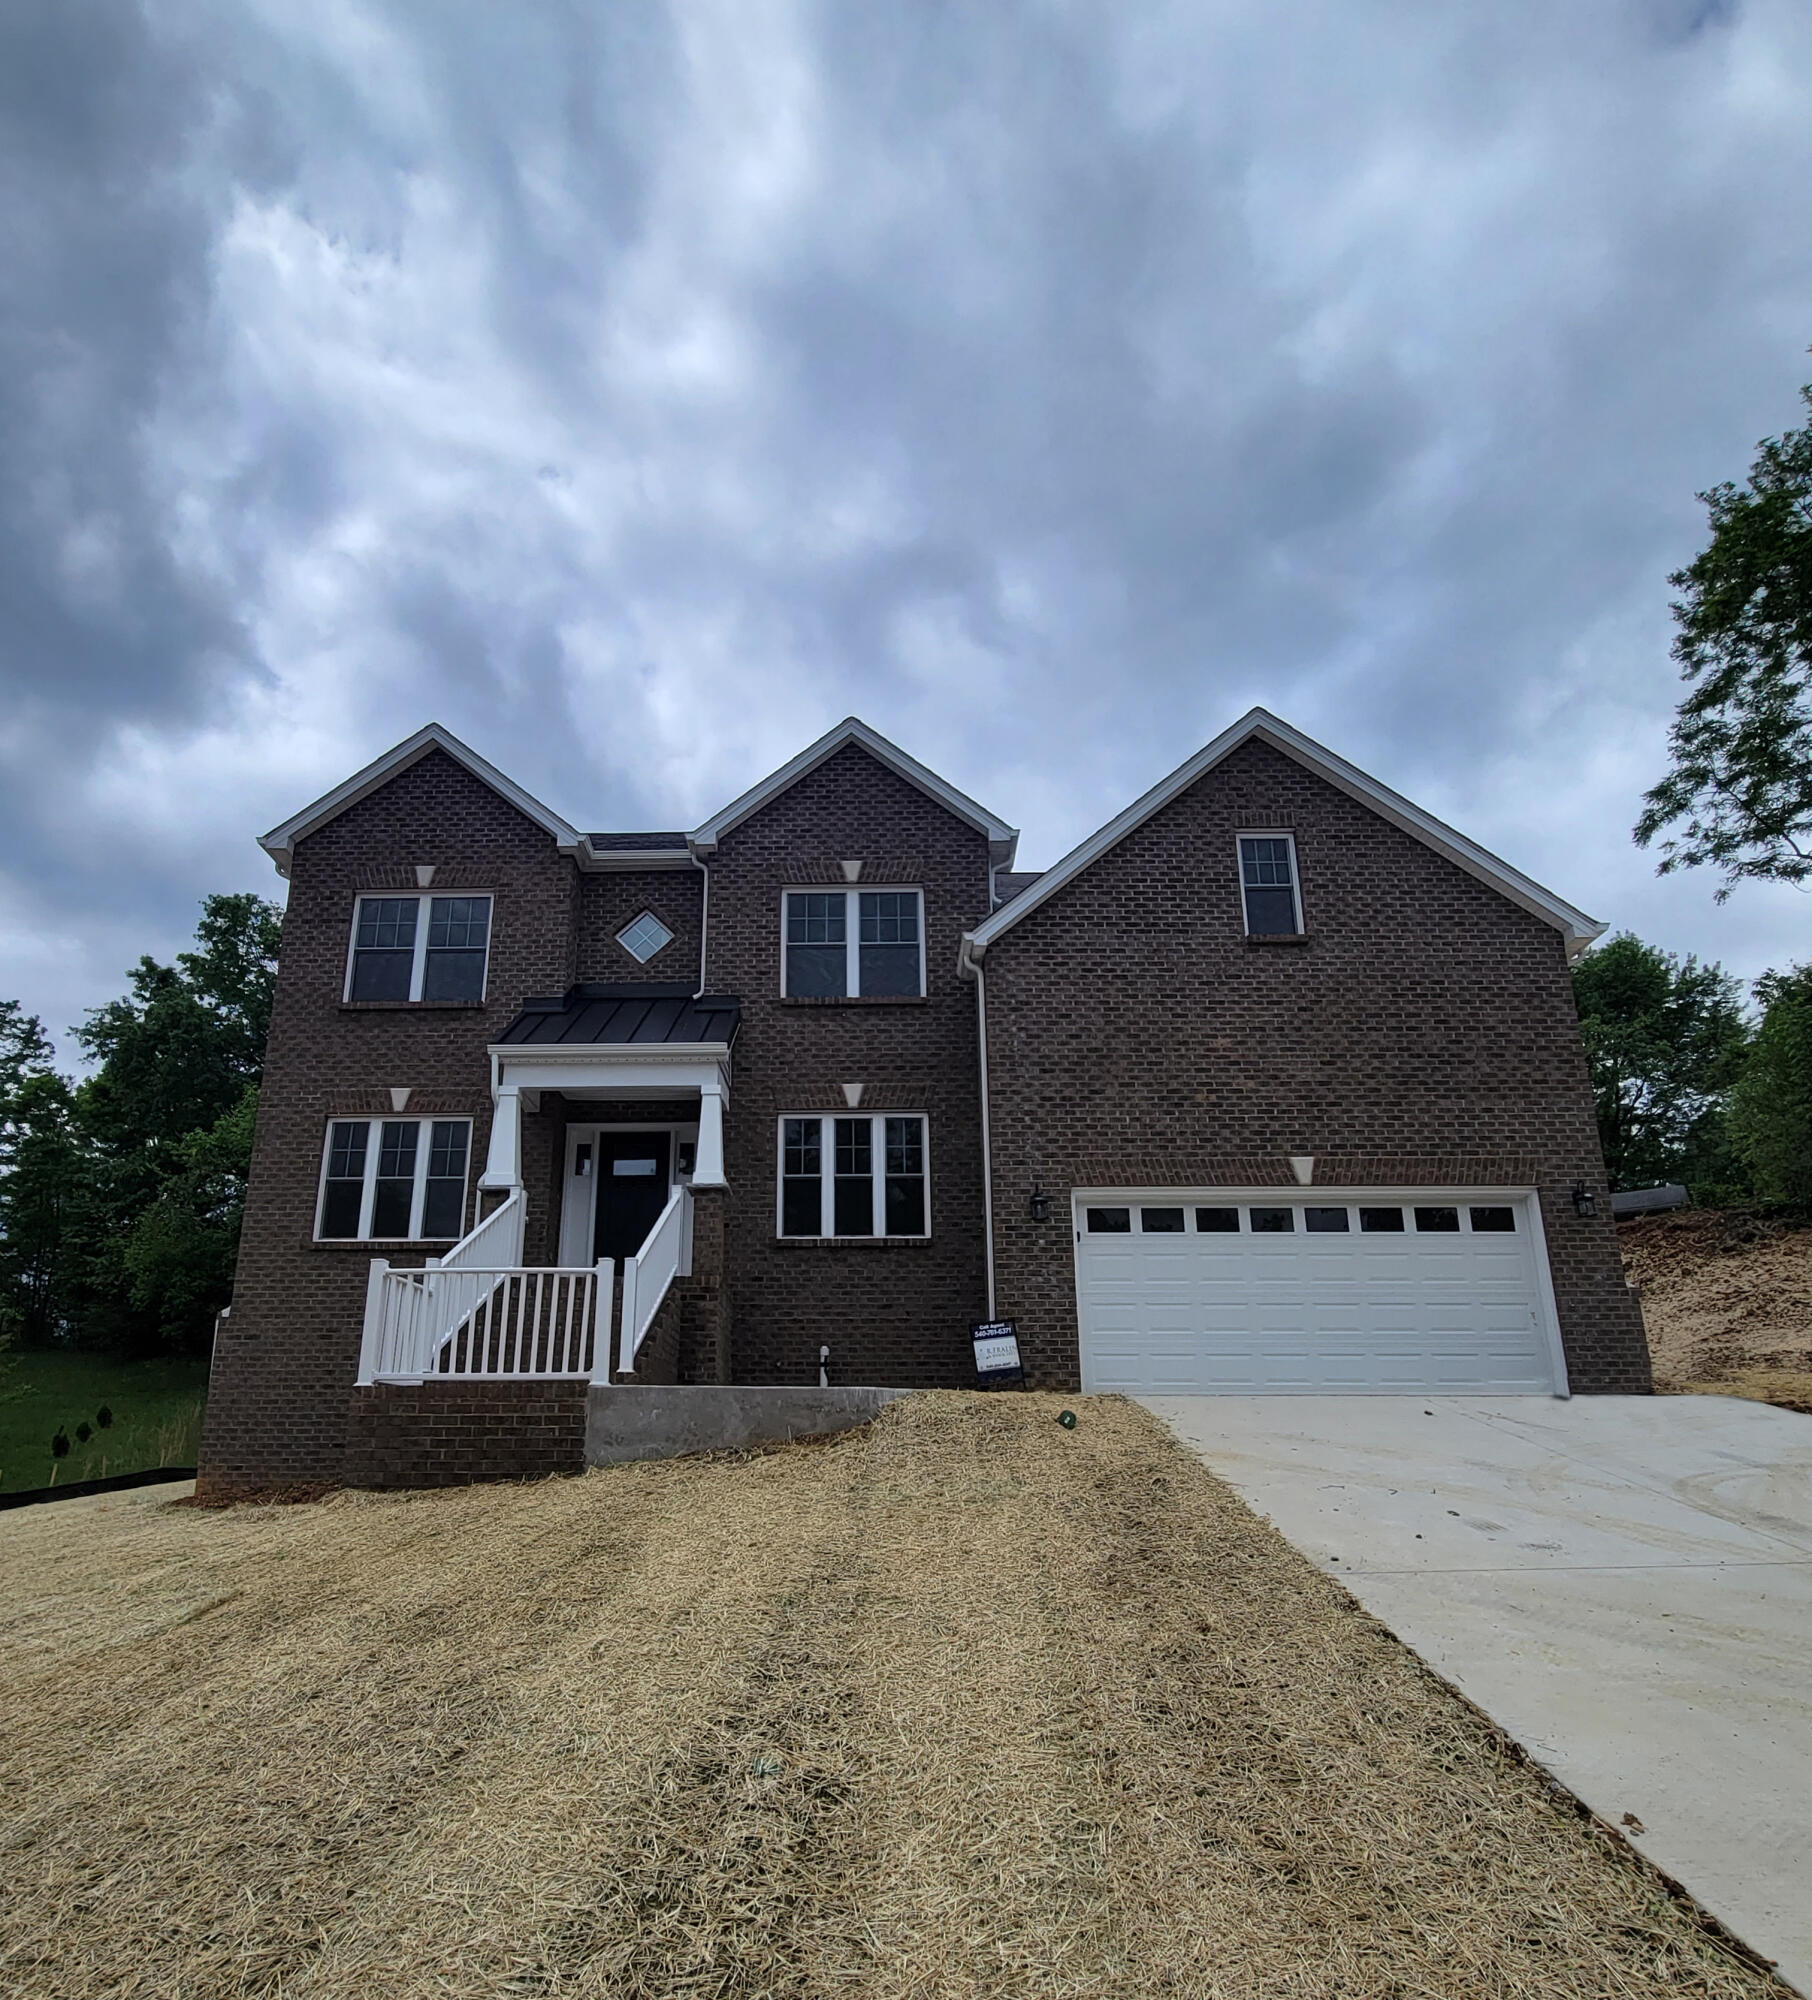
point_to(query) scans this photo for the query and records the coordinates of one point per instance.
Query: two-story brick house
(1273, 1084)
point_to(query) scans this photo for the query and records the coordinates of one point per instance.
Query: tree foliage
(1771, 1107)
(1740, 790)
(120, 1197)
(1665, 1040)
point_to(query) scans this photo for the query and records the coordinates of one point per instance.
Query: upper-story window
(853, 943)
(1267, 875)
(419, 948)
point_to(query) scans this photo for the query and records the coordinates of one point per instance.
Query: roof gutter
(968, 963)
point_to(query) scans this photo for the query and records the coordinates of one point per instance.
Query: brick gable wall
(896, 1314)
(287, 1356)
(1424, 1034)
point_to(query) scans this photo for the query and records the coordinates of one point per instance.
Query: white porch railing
(480, 1314)
(438, 1325)
(666, 1254)
(496, 1243)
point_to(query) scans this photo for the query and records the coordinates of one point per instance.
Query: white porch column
(503, 1169)
(708, 1168)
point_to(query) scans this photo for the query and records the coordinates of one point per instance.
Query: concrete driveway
(1623, 1583)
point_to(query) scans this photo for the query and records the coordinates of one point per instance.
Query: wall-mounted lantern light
(1585, 1202)
(1041, 1202)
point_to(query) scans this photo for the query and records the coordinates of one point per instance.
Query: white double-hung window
(1268, 885)
(853, 944)
(419, 948)
(865, 1175)
(394, 1179)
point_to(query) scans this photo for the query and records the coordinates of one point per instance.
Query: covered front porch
(609, 1107)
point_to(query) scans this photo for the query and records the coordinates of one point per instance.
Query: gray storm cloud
(636, 390)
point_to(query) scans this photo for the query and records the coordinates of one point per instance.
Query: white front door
(1304, 1290)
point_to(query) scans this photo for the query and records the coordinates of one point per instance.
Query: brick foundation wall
(1424, 1034)
(456, 1433)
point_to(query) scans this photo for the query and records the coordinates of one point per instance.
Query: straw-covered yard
(963, 1704)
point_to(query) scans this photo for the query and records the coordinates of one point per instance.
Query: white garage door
(1276, 1291)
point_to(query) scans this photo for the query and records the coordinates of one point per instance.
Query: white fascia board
(1574, 925)
(1003, 840)
(280, 842)
(632, 860)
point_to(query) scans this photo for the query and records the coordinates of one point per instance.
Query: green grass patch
(156, 1408)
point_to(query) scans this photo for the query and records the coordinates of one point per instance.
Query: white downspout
(704, 916)
(967, 962)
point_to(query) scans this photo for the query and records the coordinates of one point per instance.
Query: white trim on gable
(1574, 925)
(1002, 839)
(280, 842)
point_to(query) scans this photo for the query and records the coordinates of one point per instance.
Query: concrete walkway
(1623, 1583)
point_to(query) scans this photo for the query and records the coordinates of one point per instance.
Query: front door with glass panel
(632, 1177)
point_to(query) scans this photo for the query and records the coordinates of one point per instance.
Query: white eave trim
(1003, 840)
(602, 1054)
(632, 860)
(1574, 925)
(280, 842)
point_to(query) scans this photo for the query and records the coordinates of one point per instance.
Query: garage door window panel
(1437, 1221)
(1109, 1221)
(1492, 1221)
(1217, 1221)
(1273, 1221)
(1325, 1221)
(1161, 1221)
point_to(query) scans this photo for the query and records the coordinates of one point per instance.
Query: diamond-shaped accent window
(644, 936)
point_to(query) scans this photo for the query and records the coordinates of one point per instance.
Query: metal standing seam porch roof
(592, 1015)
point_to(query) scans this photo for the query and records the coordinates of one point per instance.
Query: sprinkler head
(1067, 1418)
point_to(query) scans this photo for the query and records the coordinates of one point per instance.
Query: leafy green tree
(37, 1170)
(1742, 739)
(1665, 1040)
(179, 1257)
(1771, 1107)
(164, 1122)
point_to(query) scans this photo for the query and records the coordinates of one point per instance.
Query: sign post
(997, 1362)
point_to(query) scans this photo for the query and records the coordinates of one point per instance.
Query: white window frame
(423, 900)
(1239, 877)
(852, 935)
(653, 916)
(827, 1179)
(376, 1121)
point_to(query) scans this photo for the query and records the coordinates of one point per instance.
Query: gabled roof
(1002, 839)
(280, 842)
(1574, 925)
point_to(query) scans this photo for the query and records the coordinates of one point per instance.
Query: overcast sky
(639, 389)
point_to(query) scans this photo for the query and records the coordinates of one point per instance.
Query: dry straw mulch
(964, 1704)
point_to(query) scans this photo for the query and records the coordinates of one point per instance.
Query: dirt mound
(1727, 1298)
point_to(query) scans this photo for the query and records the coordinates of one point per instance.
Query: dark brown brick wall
(608, 901)
(452, 1433)
(288, 1354)
(1424, 1034)
(892, 1314)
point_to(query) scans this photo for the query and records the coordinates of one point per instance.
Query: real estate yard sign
(997, 1363)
